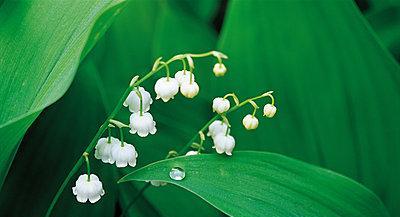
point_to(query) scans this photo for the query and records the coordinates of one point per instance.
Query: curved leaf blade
(266, 184)
(39, 55)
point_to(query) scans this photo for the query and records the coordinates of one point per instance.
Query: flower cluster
(113, 150)
(219, 130)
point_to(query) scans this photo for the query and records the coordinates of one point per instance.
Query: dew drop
(177, 173)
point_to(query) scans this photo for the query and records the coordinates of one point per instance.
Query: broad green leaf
(337, 89)
(39, 54)
(265, 184)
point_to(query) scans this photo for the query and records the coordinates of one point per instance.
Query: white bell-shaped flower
(133, 100)
(103, 149)
(189, 90)
(250, 122)
(269, 110)
(224, 143)
(217, 127)
(219, 69)
(220, 105)
(183, 76)
(157, 183)
(85, 189)
(166, 88)
(190, 153)
(124, 155)
(142, 124)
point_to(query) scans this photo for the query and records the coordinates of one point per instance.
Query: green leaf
(266, 184)
(336, 88)
(40, 53)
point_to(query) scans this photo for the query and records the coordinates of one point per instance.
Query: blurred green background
(332, 66)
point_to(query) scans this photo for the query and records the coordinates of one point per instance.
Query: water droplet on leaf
(177, 173)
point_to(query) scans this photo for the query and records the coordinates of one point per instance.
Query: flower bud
(133, 100)
(224, 143)
(219, 69)
(166, 88)
(88, 189)
(124, 155)
(142, 124)
(250, 122)
(183, 76)
(269, 110)
(189, 90)
(189, 153)
(221, 105)
(217, 127)
(104, 147)
(157, 183)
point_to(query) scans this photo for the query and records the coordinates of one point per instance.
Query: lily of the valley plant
(112, 150)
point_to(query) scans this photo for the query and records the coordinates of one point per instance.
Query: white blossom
(133, 100)
(103, 149)
(157, 183)
(142, 124)
(189, 90)
(183, 76)
(250, 122)
(85, 190)
(269, 110)
(220, 105)
(124, 155)
(219, 69)
(189, 153)
(166, 88)
(224, 143)
(217, 127)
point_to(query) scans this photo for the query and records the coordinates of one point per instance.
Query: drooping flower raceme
(142, 124)
(224, 143)
(219, 69)
(166, 88)
(250, 122)
(103, 149)
(86, 189)
(217, 127)
(189, 89)
(124, 154)
(269, 110)
(183, 76)
(220, 105)
(133, 100)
